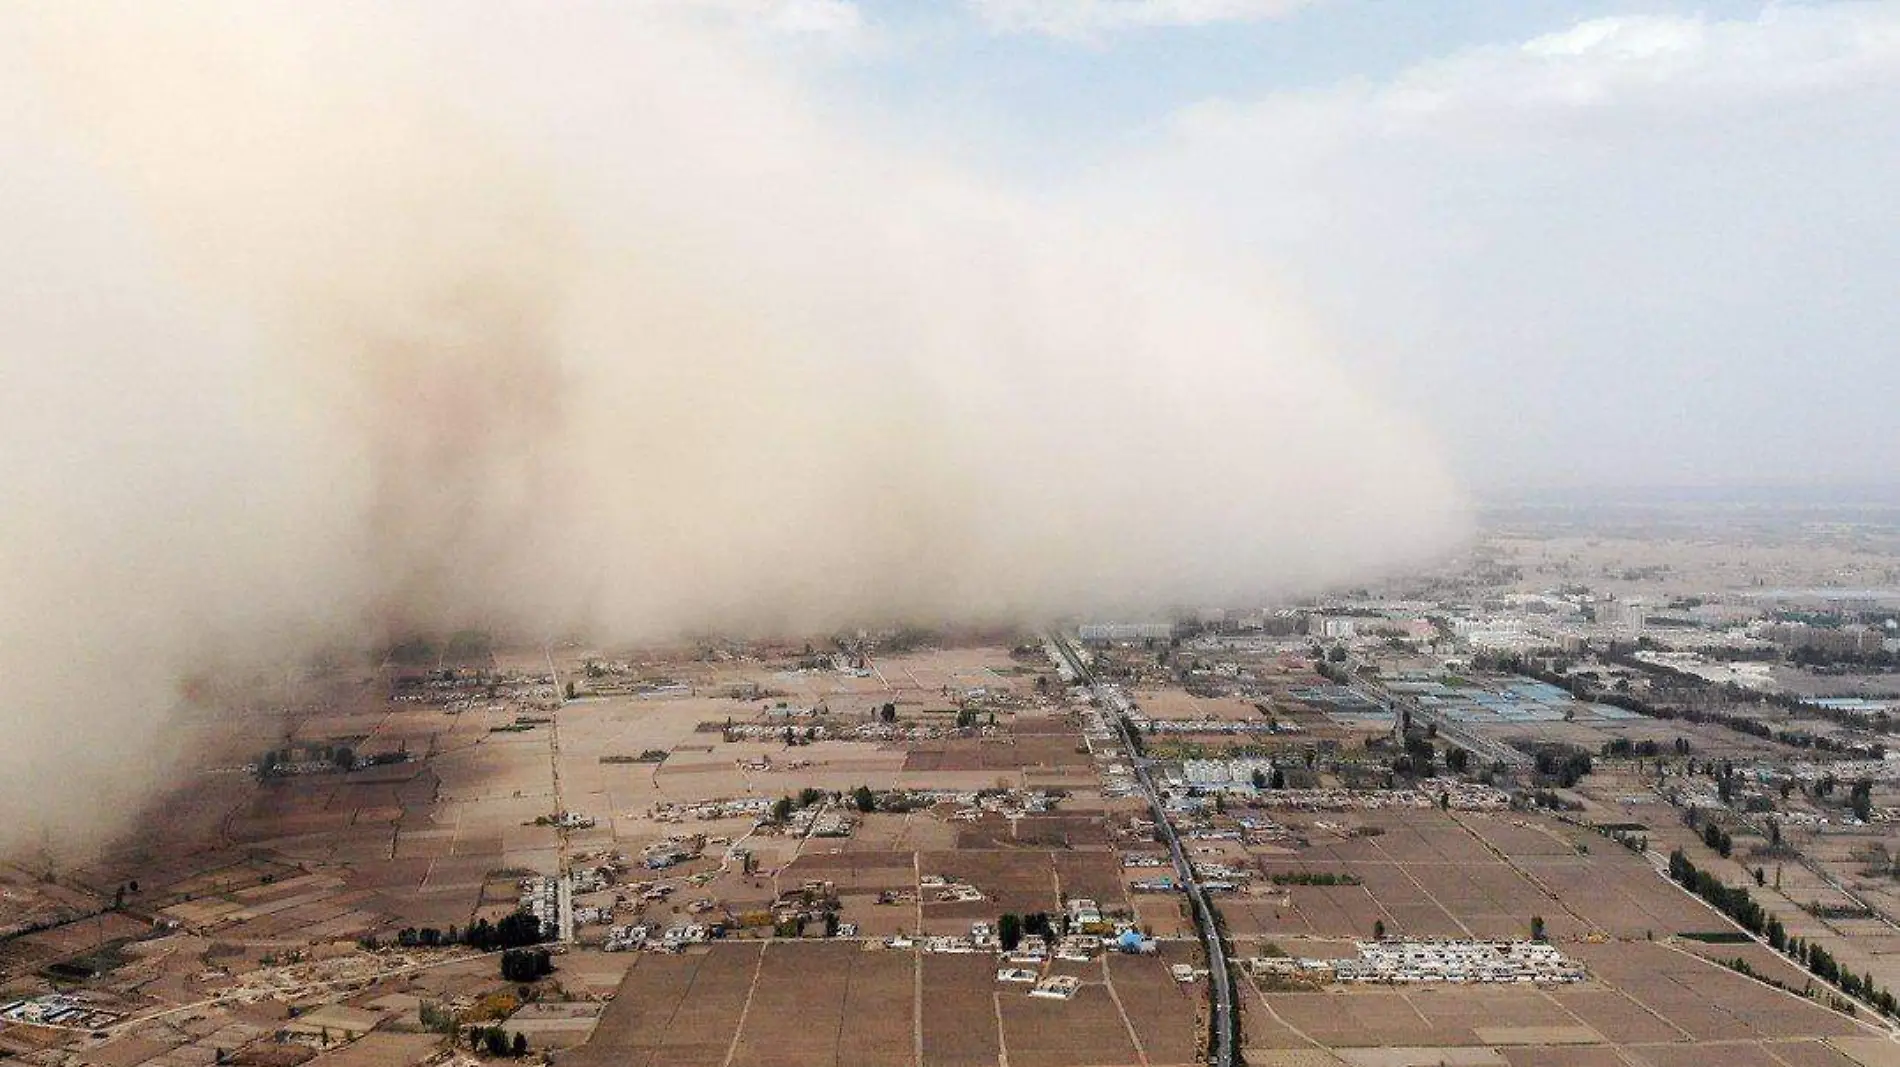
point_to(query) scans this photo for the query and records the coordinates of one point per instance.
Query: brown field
(825, 1004)
(960, 1025)
(1164, 1013)
(1431, 874)
(1018, 881)
(1816, 1053)
(675, 1010)
(1569, 1056)
(1176, 703)
(1097, 875)
(1087, 1029)
(1020, 753)
(1647, 1004)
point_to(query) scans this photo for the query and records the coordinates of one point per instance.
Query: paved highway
(1220, 983)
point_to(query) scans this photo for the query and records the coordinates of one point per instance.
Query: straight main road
(1225, 1009)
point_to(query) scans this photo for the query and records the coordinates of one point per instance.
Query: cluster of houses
(1245, 775)
(821, 821)
(1055, 987)
(642, 937)
(672, 850)
(1105, 747)
(1245, 727)
(1059, 987)
(540, 897)
(946, 889)
(1160, 883)
(708, 810)
(892, 731)
(1459, 796)
(68, 1010)
(1457, 962)
(1084, 914)
(775, 731)
(1011, 804)
(1026, 963)
(1221, 877)
(1031, 953)
(459, 691)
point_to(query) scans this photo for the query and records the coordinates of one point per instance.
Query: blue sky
(1584, 243)
(1049, 99)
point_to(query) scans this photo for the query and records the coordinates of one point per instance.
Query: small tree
(865, 800)
(520, 1046)
(1378, 929)
(1537, 928)
(495, 1042)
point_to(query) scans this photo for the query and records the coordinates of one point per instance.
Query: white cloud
(1083, 19)
(839, 23)
(1648, 66)
(831, 18)
(1635, 249)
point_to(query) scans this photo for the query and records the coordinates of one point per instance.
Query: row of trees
(1624, 748)
(1314, 878)
(513, 931)
(1738, 904)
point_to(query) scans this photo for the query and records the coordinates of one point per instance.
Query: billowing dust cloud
(324, 322)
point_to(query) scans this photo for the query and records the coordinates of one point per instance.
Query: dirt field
(1641, 995)
(829, 1004)
(1165, 1014)
(960, 1022)
(675, 1010)
(1462, 874)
